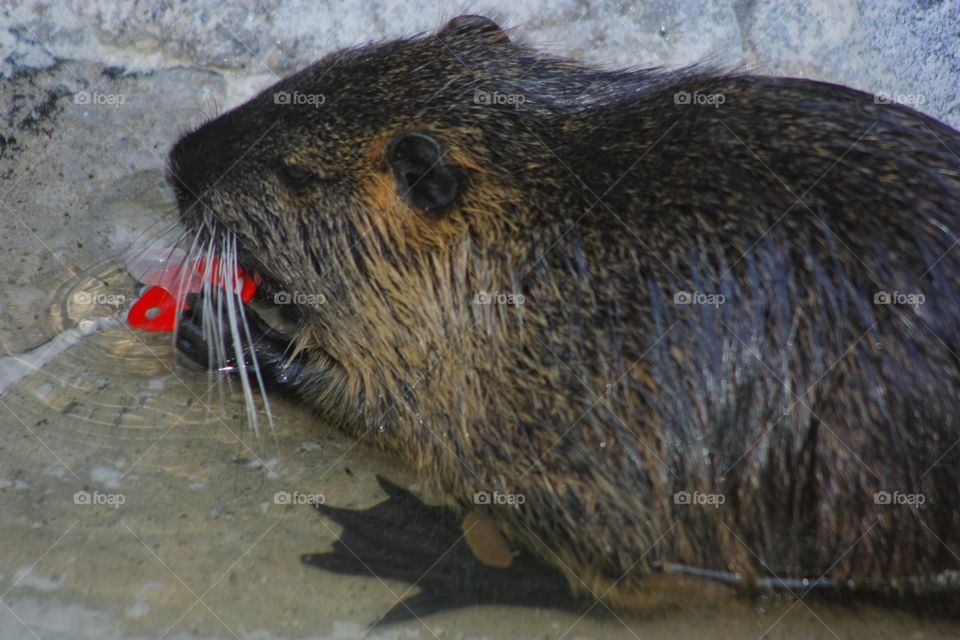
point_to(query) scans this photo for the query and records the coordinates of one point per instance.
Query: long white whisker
(219, 292)
(212, 333)
(185, 269)
(249, 338)
(227, 270)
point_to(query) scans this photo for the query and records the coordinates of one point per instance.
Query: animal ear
(478, 25)
(424, 179)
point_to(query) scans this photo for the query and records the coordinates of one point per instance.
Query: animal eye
(293, 176)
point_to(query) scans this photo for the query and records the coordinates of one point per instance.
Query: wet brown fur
(598, 399)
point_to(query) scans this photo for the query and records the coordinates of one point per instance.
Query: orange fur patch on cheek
(380, 194)
(407, 227)
(403, 224)
(385, 210)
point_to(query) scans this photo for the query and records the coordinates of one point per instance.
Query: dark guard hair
(691, 317)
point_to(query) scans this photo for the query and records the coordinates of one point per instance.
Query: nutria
(635, 317)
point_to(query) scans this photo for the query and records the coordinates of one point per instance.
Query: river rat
(634, 317)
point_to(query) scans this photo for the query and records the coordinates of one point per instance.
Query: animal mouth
(207, 237)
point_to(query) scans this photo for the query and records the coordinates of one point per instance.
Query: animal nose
(202, 158)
